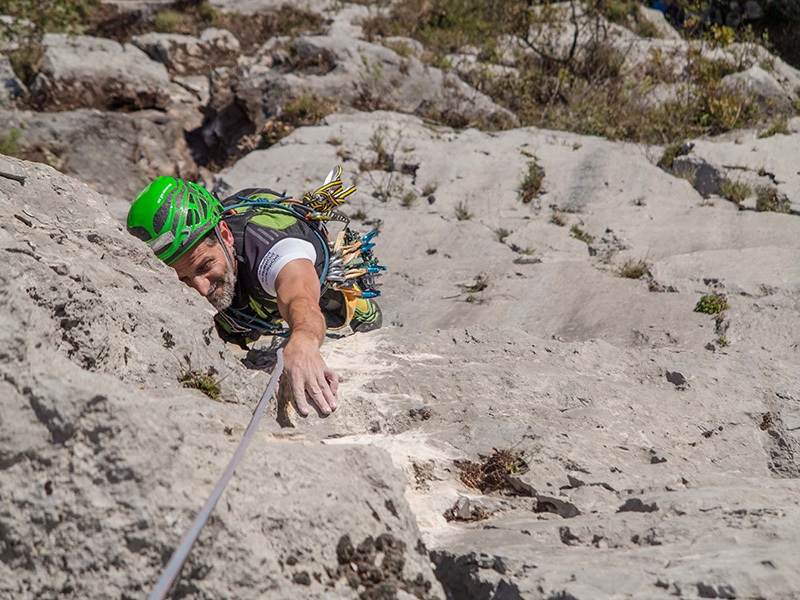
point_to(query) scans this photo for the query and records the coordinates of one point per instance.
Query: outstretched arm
(297, 289)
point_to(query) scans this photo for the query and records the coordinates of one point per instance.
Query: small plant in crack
(558, 218)
(462, 212)
(734, 191)
(429, 189)
(769, 199)
(408, 200)
(200, 380)
(494, 472)
(531, 185)
(711, 304)
(481, 283)
(527, 250)
(633, 268)
(344, 154)
(386, 164)
(580, 234)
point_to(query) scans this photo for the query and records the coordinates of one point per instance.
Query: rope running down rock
(175, 564)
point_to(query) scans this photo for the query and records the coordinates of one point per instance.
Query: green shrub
(408, 199)
(720, 110)
(672, 152)
(9, 142)
(444, 26)
(47, 16)
(712, 304)
(781, 125)
(307, 109)
(583, 89)
(383, 158)
(25, 61)
(168, 21)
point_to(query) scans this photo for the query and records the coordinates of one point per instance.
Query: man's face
(206, 269)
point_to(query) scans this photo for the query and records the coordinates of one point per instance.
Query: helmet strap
(224, 247)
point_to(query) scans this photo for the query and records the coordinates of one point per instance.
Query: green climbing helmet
(172, 215)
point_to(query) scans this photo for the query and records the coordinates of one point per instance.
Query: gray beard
(221, 295)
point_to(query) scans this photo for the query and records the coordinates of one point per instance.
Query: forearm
(305, 320)
(297, 292)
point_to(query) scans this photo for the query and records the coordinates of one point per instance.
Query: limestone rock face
(656, 442)
(88, 72)
(105, 458)
(188, 55)
(657, 18)
(661, 441)
(345, 71)
(763, 85)
(117, 154)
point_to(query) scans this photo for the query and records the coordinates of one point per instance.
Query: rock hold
(188, 55)
(83, 71)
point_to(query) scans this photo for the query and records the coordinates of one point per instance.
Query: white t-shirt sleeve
(282, 253)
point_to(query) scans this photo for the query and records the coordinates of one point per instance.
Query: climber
(262, 259)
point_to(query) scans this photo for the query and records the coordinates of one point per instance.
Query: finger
(328, 395)
(299, 397)
(333, 380)
(318, 397)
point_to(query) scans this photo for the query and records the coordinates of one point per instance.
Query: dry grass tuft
(633, 268)
(531, 185)
(769, 199)
(735, 191)
(558, 218)
(480, 284)
(494, 472)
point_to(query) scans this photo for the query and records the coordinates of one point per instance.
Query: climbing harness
(175, 564)
(349, 267)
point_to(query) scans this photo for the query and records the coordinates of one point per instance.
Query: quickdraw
(352, 266)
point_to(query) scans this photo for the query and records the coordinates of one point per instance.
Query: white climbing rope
(175, 564)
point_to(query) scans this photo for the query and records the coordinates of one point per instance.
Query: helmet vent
(161, 216)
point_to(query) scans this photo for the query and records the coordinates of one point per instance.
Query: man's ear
(227, 234)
